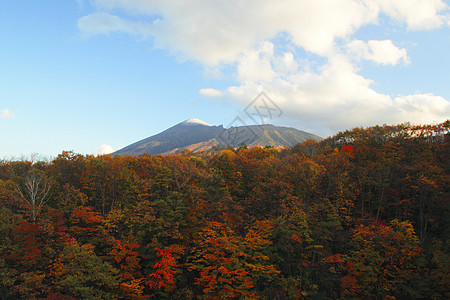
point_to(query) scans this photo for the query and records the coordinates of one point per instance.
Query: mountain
(196, 135)
(186, 133)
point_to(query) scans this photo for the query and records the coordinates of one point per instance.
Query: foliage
(361, 215)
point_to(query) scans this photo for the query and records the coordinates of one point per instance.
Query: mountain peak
(196, 135)
(195, 122)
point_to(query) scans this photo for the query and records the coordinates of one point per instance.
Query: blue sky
(92, 76)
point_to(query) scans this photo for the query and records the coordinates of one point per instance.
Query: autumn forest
(360, 215)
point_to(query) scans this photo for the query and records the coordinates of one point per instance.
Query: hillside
(365, 215)
(186, 133)
(196, 135)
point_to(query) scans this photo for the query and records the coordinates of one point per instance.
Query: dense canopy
(363, 214)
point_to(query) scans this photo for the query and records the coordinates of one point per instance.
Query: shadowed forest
(363, 214)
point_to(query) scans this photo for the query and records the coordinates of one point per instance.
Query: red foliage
(297, 238)
(337, 258)
(85, 221)
(28, 238)
(163, 277)
(55, 296)
(129, 262)
(348, 149)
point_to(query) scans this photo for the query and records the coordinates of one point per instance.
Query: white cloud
(104, 149)
(286, 63)
(382, 52)
(421, 108)
(255, 64)
(337, 97)
(215, 32)
(210, 92)
(6, 114)
(416, 14)
(301, 52)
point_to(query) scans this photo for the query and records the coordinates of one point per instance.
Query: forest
(360, 215)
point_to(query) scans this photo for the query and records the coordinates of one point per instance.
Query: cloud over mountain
(103, 149)
(305, 54)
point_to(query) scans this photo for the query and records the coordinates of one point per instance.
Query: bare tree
(34, 191)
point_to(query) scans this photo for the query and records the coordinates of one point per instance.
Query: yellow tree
(229, 265)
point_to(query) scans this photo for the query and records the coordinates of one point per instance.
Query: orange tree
(383, 256)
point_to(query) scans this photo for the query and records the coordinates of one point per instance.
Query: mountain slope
(189, 132)
(264, 135)
(197, 135)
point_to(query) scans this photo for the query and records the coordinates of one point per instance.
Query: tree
(8, 273)
(165, 269)
(28, 259)
(35, 190)
(131, 280)
(85, 225)
(78, 272)
(383, 256)
(229, 265)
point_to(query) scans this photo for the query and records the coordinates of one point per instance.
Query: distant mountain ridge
(196, 135)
